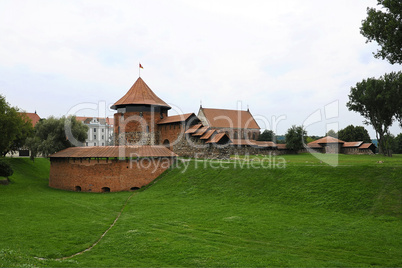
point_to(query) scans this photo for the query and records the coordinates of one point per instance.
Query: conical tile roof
(140, 94)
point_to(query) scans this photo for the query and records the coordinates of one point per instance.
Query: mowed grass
(213, 214)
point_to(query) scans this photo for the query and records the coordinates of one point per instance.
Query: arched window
(105, 189)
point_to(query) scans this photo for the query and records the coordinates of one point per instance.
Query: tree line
(47, 137)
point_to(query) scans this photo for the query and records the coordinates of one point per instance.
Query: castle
(148, 140)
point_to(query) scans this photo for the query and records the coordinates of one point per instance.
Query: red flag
(141, 66)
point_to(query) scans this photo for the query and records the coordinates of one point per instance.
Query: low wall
(102, 175)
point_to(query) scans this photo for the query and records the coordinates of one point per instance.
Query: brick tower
(138, 113)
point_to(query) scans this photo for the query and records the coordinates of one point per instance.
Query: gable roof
(352, 144)
(367, 146)
(218, 137)
(115, 151)
(34, 117)
(327, 139)
(208, 134)
(222, 118)
(140, 94)
(87, 120)
(176, 118)
(193, 129)
(201, 131)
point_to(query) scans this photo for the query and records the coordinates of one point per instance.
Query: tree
(332, 133)
(385, 27)
(295, 138)
(398, 144)
(267, 135)
(51, 135)
(5, 169)
(14, 128)
(352, 133)
(379, 101)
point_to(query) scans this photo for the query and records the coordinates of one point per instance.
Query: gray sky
(285, 60)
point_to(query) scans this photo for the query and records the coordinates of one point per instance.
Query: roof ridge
(140, 94)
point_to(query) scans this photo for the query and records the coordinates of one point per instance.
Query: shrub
(5, 169)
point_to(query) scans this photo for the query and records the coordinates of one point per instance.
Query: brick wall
(91, 175)
(140, 128)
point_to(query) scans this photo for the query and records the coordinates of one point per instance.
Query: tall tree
(385, 27)
(14, 128)
(51, 135)
(379, 101)
(266, 135)
(352, 133)
(295, 137)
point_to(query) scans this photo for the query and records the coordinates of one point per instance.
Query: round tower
(138, 113)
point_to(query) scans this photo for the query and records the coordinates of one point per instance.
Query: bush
(5, 169)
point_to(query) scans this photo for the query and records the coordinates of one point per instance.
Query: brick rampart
(92, 175)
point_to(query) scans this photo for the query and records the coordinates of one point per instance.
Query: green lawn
(305, 214)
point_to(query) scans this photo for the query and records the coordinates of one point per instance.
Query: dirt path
(94, 244)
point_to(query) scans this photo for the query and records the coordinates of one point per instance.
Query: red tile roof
(201, 131)
(115, 151)
(367, 145)
(208, 134)
(217, 138)
(281, 146)
(221, 118)
(175, 118)
(352, 144)
(33, 117)
(243, 142)
(193, 129)
(327, 139)
(140, 94)
(314, 145)
(265, 143)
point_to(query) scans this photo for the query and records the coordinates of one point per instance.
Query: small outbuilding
(108, 168)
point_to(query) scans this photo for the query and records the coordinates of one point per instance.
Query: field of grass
(212, 214)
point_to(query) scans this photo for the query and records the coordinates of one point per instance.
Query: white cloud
(279, 57)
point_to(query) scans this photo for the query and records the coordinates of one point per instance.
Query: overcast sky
(285, 60)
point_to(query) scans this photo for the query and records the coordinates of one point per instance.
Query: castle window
(103, 130)
(103, 137)
(254, 136)
(94, 137)
(161, 115)
(94, 143)
(140, 114)
(86, 143)
(235, 135)
(94, 129)
(147, 129)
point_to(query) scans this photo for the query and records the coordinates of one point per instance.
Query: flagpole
(139, 70)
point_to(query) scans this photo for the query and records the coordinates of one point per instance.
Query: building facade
(100, 131)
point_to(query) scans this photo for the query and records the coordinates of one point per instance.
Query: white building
(100, 131)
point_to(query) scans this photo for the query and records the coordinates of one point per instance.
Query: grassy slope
(40, 221)
(303, 215)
